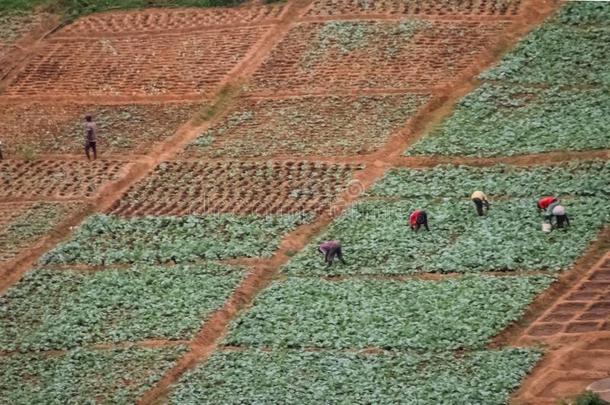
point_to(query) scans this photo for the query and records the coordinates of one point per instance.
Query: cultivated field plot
(164, 20)
(570, 49)
(182, 64)
(584, 310)
(23, 224)
(55, 179)
(507, 239)
(459, 313)
(333, 125)
(59, 128)
(59, 309)
(250, 376)
(418, 8)
(368, 54)
(549, 94)
(14, 25)
(262, 188)
(104, 239)
(83, 375)
(508, 119)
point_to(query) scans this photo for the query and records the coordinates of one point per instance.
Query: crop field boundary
(264, 271)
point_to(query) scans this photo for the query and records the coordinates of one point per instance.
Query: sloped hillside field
(183, 263)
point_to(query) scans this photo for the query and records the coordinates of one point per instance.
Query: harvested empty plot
(439, 315)
(106, 239)
(187, 188)
(59, 128)
(23, 224)
(55, 179)
(182, 64)
(164, 20)
(377, 239)
(373, 54)
(586, 179)
(417, 8)
(333, 125)
(342, 377)
(508, 119)
(83, 375)
(58, 309)
(571, 48)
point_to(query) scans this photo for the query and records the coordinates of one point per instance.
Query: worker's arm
(567, 220)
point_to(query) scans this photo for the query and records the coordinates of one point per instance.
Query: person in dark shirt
(90, 137)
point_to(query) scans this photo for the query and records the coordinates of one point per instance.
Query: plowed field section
(55, 179)
(187, 64)
(362, 55)
(441, 8)
(159, 20)
(58, 128)
(183, 188)
(334, 125)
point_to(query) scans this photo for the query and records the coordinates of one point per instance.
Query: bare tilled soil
(168, 20)
(58, 128)
(182, 188)
(416, 8)
(40, 179)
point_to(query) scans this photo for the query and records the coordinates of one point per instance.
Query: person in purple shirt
(330, 249)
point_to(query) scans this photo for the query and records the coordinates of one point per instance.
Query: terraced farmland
(182, 265)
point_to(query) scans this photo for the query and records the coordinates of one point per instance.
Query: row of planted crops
(380, 329)
(370, 334)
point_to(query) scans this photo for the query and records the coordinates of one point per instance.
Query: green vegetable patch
(569, 49)
(485, 377)
(105, 239)
(376, 238)
(463, 312)
(64, 309)
(80, 376)
(508, 119)
(591, 178)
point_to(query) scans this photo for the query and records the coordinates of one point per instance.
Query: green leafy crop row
(565, 50)
(338, 377)
(464, 312)
(63, 309)
(377, 240)
(503, 119)
(81, 376)
(591, 178)
(104, 239)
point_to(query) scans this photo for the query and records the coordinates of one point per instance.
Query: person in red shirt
(417, 219)
(330, 249)
(544, 203)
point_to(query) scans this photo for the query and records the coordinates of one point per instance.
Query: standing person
(561, 217)
(480, 200)
(417, 219)
(1, 156)
(90, 137)
(330, 249)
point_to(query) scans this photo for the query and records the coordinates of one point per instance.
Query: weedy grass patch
(485, 377)
(376, 238)
(63, 309)
(586, 179)
(508, 119)
(82, 376)
(450, 314)
(105, 239)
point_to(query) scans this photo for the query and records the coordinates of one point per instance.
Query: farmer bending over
(544, 203)
(417, 219)
(90, 138)
(561, 217)
(480, 200)
(330, 249)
